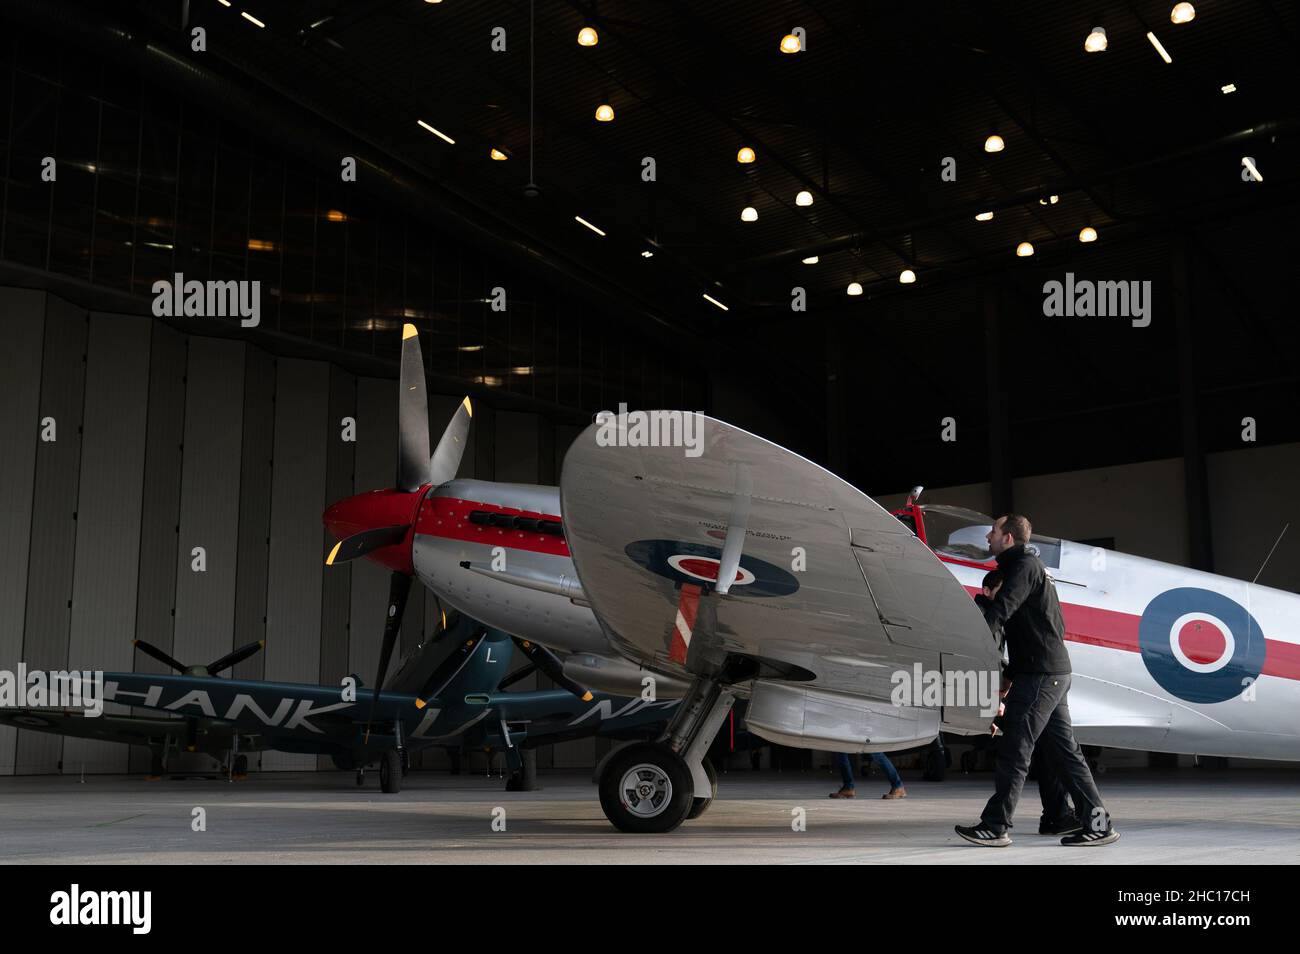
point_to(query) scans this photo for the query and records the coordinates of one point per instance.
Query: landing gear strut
(652, 787)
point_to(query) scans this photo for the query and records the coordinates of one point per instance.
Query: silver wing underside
(830, 583)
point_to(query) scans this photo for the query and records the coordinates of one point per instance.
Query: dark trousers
(1055, 799)
(1037, 715)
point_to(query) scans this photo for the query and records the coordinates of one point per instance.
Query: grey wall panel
(336, 591)
(253, 546)
(54, 523)
(336, 585)
(376, 467)
(297, 560)
(23, 313)
(160, 505)
(209, 513)
(105, 576)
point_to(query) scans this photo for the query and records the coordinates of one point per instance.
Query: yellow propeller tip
(420, 703)
(587, 696)
(329, 560)
(408, 331)
(469, 408)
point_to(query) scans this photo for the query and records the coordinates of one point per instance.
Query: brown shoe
(895, 793)
(843, 793)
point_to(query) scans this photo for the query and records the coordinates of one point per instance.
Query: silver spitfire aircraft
(685, 555)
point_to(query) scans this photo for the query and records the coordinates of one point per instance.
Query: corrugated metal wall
(167, 442)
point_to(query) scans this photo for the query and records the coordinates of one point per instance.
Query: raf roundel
(697, 563)
(1200, 645)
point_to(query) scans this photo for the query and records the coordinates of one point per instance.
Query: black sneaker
(983, 836)
(1089, 839)
(1065, 826)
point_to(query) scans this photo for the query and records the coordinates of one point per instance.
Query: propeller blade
(451, 447)
(149, 649)
(516, 676)
(549, 664)
(238, 656)
(399, 587)
(412, 416)
(449, 667)
(367, 541)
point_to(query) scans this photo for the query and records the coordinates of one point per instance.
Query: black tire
(241, 765)
(390, 772)
(936, 764)
(701, 805)
(665, 799)
(361, 777)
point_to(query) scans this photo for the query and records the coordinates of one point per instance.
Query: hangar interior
(131, 439)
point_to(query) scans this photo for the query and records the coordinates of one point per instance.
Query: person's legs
(845, 764)
(1029, 705)
(1052, 793)
(1062, 752)
(886, 766)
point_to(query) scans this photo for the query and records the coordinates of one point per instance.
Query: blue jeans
(845, 764)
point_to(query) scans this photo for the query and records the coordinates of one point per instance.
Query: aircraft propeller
(211, 669)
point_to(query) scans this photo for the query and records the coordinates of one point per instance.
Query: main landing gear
(652, 787)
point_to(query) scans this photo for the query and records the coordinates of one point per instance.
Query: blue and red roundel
(1200, 645)
(698, 563)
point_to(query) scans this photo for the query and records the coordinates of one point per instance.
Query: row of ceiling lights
(1096, 42)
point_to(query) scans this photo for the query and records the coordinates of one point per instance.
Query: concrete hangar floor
(315, 818)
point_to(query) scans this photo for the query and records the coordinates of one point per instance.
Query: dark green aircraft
(449, 692)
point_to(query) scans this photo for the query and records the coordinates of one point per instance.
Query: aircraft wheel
(701, 805)
(390, 772)
(241, 765)
(936, 764)
(646, 789)
(406, 762)
(361, 777)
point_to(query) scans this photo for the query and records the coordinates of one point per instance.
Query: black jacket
(1027, 616)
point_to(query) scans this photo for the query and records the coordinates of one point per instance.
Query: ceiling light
(710, 298)
(811, 260)
(525, 369)
(647, 254)
(803, 198)
(1087, 234)
(1164, 54)
(334, 215)
(441, 135)
(498, 155)
(1182, 13)
(1230, 88)
(1249, 163)
(854, 288)
(252, 19)
(433, 1)
(790, 44)
(1095, 42)
(1049, 200)
(1024, 250)
(261, 245)
(745, 155)
(580, 219)
(224, 3)
(604, 113)
(470, 348)
(984, 217)
(906, 276)
(749, 214)
(587, 36)
(994, 143)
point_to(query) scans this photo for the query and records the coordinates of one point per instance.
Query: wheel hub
(646, 789)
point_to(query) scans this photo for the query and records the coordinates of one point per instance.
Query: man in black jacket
(1026, 617)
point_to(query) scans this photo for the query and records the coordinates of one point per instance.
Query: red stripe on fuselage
(1112, 629)
(448, 517)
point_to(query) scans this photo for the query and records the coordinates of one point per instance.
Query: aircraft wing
(133, 730)
(829, 585)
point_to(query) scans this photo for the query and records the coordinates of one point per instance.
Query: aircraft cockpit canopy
(963, 534)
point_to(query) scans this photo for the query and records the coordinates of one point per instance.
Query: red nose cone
(370, 511)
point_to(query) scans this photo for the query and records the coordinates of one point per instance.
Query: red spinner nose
(372, 511)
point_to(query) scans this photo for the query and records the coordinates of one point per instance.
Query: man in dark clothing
(1025, 616)
(1058, 817)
